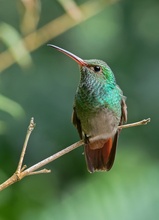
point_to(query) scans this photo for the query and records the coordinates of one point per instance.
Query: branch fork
(23, 171)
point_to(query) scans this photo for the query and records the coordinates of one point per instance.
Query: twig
(29, 131)
(52, 158)
(40, 172)
(21, 171)
(143, 122)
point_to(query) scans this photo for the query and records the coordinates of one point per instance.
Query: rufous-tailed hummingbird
(99, 108)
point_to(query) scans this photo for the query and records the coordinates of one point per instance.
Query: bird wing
(76, 122)
(123, 111)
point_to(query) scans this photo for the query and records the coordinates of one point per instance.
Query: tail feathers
(101, 159)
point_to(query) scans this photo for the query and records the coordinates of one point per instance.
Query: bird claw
(86, 139)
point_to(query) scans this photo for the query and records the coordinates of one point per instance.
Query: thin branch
(21, 171)
(40, 172)
(23, 168)
(29, 131)
(143, 122)
(52, 158)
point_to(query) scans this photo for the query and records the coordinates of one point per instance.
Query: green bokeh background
(126, 36)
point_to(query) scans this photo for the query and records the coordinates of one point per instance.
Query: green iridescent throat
(98, 91)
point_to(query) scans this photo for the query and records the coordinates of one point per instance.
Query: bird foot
(86, 139)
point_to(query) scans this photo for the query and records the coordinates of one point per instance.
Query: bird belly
(103, 123)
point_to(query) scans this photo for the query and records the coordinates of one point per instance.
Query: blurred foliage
(12, 39)
(126, 35)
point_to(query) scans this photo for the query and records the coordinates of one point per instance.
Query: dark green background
(126, 36)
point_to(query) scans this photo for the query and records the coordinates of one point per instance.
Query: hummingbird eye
(97, 68)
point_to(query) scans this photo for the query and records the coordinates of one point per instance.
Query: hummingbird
(99, 108)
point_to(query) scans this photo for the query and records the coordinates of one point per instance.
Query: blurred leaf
(3, 127)
(13, 40)
(11, 107)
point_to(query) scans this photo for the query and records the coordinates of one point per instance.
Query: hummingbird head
(97, 68)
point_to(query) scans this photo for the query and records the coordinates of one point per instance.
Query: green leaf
(13, 40)
(11, 107)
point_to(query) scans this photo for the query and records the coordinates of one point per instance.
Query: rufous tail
(101, 159)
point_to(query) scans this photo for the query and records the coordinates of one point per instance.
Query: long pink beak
(71, 55)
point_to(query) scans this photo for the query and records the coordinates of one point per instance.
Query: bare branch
(23, 168)
(143, 122)
(40, 172)
(21, 171)
(30, 129)
(52, 158)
